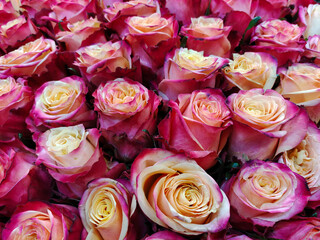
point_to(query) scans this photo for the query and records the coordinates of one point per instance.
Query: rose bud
(82, 33)
(251, 70)
(312, 48)
(209, 35)
(15, 31)
(104, 61)
(304, 159)
(221, 7)
(165, 235)
(39, 220)
(297, 228)
(15, 103)
(20, 179)
(259, 119)
(186, 70)
(310, 17)
(263, 193)
(279, 38)
(120, 11)
(60, 103)
(127, 110)
(107, 210)
(151, 37)
(198, 125)
(29, 59)
(71, 153)
(175, 192)
(300, 84)
(184, 10)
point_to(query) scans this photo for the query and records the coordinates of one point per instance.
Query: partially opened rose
(103, 61)
(82, 33)
(304, 159)
(312, 48)
(279, 38)
(264, 193)
(107, 208)
(259, 118)
(151, 37)
(40, 220)
(209, 35)
(198, 125)
(174, 192)
(16, 30)
(251, 70)
(301, 84)
(127, 110)
(221, 7)
(60, 103)
(72, 155)
(29, 59)
(186, 70)
(310, 17)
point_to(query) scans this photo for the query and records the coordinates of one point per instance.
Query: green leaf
(252, 23)
(183, 41)
(60, 26)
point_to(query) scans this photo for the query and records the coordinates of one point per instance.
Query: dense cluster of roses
(149, 119)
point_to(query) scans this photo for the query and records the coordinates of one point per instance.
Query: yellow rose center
(149, 23)
(204, 22)
(193, 60)
(90, 23)
(5, 86)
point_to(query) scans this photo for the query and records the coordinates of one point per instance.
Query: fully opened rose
(174, 192)
(263, 193)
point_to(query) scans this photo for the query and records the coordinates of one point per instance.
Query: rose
(120, 11)
(165, 235)
(72, 155)
(184, 10)
(7, 12)
(197, 125)
(186, 70)
(174, 192)
(263, 193)
(60, 103)
(259, 119)
(304, 159)
(104, 61)
(301, 84)
(208, 35)
(152, 36)
(81, 33)
(312, 48)
(309, 17)
(107, 208)
(29, 59)
(222, 7)
(237, 237)
(16, 30)
(127, 110)
(297, 228)
(43, 221)
(251, 70)
(20, 179)
(280, 39)
(275, 9)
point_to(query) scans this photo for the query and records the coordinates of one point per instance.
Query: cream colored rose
(251, 70)
(206, 27)
(311, 20)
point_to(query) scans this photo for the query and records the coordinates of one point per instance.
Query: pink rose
(44, 221)
(222, 7)
(107, 210)
(165, 235)
(151, 37)
(259, 119)
(279, 38)
(312, 48)
(105, 61)
(7, 12)
(274, 9)
(29, 59)
(186, 70)
(301, 84)
(297, 228)
(127, 110)
(15, 31)
(197, 125)
(72, 155)
(82, 33)
(264, 193)
(251, 70)
(184, 10)
(60, 103)
(209, 35)
(175, 192)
